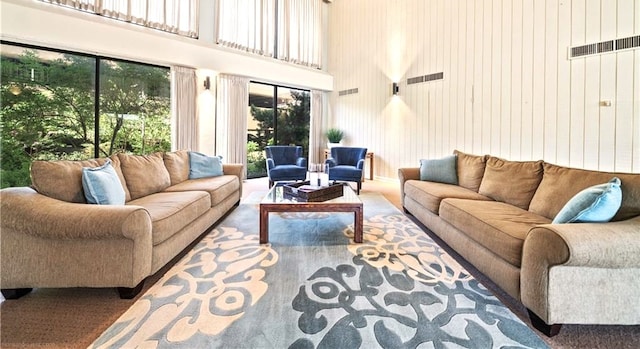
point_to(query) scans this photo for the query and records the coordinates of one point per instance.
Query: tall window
(277, 116)
(174, 16)
(289, 30)
(52, 108)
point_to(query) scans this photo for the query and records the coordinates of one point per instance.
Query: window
(290, 127)
(50, 101)
(290, 30)
(174, 16)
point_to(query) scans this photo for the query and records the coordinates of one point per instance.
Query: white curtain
(316, 134)
(246, 25)
(232, 108)
(250, 25)
(300, 32)
(184, 108)
(174, 16)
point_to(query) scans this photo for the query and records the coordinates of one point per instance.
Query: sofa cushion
(430, 194)
(117, 165)
(470, 169)
(171, 212)
(559, 184)
(596, 204)
(513, 182)
(203, 166)
(61, 179)
(177, 164)
(102, 186)
(498, 226)
(441, 170)
(144, 174)
(219, 188)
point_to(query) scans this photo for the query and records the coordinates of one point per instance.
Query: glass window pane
(293, 118)
(260, 128)
(134, 108)
(47, 109)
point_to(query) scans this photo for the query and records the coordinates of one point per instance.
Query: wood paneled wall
(509, 88)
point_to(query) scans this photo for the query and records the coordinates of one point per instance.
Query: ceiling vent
(631, 42)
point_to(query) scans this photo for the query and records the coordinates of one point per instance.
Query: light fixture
(395, 89)
(207, 83)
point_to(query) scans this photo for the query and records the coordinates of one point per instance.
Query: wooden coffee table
(274, 201)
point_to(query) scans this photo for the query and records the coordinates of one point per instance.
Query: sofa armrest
(590, 245)
(234, 169)
(25, 210)
(405, 174)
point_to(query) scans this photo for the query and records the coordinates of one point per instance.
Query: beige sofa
(499, 218)
(50, 236)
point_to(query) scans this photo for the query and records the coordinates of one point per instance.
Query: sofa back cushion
(559, 184)
(144, 174)
(470, 169)
(513, 182)
(177, 164)
(62, 179)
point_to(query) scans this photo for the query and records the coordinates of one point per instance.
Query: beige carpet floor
(73, 318)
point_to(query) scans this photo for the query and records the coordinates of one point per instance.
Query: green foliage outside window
(48, 109)
(293, 129)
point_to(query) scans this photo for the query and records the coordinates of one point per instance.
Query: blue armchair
(346, 164)
(285, 163)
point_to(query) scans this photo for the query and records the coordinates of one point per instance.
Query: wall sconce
(395, 89)
(207, 83)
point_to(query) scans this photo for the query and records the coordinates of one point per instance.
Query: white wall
(37, 23)
(508, 89)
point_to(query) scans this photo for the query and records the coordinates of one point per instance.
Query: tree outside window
(48, 109)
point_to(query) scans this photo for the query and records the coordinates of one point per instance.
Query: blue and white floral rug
(312, 287)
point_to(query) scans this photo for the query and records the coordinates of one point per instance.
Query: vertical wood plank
(496, 76)
(526, 141)
(539, 71)
(576, 135)
(624, 90)
(516, 81)
(607, 90)
(551, 81)
(506, 80)
(592, 88)
(563, 123)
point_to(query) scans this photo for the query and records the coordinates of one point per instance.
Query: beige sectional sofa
(499, 218)
(50, 236)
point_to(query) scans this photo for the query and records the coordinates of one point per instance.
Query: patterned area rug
(312, 287)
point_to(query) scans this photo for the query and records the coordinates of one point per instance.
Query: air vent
(626, 43)
(584, 50)
(347, 92)
(425, 78)
(631, 42)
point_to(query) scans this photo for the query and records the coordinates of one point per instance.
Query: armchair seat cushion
(288, 172)
(345, 173)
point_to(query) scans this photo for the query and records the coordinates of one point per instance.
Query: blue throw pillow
(598, 203)
(102, 186)
(439, 170)
(201, 165)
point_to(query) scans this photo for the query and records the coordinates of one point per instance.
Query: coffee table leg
(264, 225)
(358, 218)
